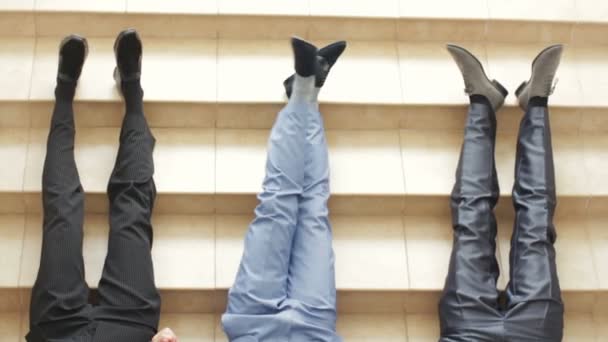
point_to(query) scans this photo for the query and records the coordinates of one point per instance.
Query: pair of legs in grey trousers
(470, 308)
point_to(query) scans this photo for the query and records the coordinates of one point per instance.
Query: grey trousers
(469, 307)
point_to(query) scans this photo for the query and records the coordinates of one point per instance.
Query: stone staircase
(394, 109)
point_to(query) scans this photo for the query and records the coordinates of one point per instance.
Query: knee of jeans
(283, 181)
(245, 339)
(237, 328)
(319, 316)
(244, 302)
(277, 206)
(257, 327)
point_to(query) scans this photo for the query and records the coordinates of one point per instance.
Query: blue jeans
(285, 287)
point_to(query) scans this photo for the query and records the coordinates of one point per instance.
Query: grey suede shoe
(475, 80)
(541, 81)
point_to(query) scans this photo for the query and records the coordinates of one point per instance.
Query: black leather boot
(326, 58)
(73, 51)
(304, 57)
(128, 51)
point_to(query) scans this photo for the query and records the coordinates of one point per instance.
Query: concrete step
(413, 169)
(573, 21)
(394, 109)
(240, 71)
(395, 262)
(238, 84)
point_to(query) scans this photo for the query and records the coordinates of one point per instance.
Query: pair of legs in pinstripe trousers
(285, 287)
(129, 303)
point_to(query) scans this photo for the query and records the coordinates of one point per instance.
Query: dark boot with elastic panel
(304, 57)
(326, 58)
(128, 50)
(541, 82)
(73, 51)
(475, 79)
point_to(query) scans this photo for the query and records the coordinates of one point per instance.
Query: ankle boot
(128, 51)
(305, 55)
(541, 82)
(475, 79)
(73, 51)
(326, 58)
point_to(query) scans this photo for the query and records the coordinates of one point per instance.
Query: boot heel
(521, 88)
(500, 88)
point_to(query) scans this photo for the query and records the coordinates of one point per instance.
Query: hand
(165, 335)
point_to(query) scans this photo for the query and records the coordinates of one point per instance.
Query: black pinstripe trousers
(129, 303)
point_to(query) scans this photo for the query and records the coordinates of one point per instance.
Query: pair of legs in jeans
(470, 308)
(129, 303)
(285, 287)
